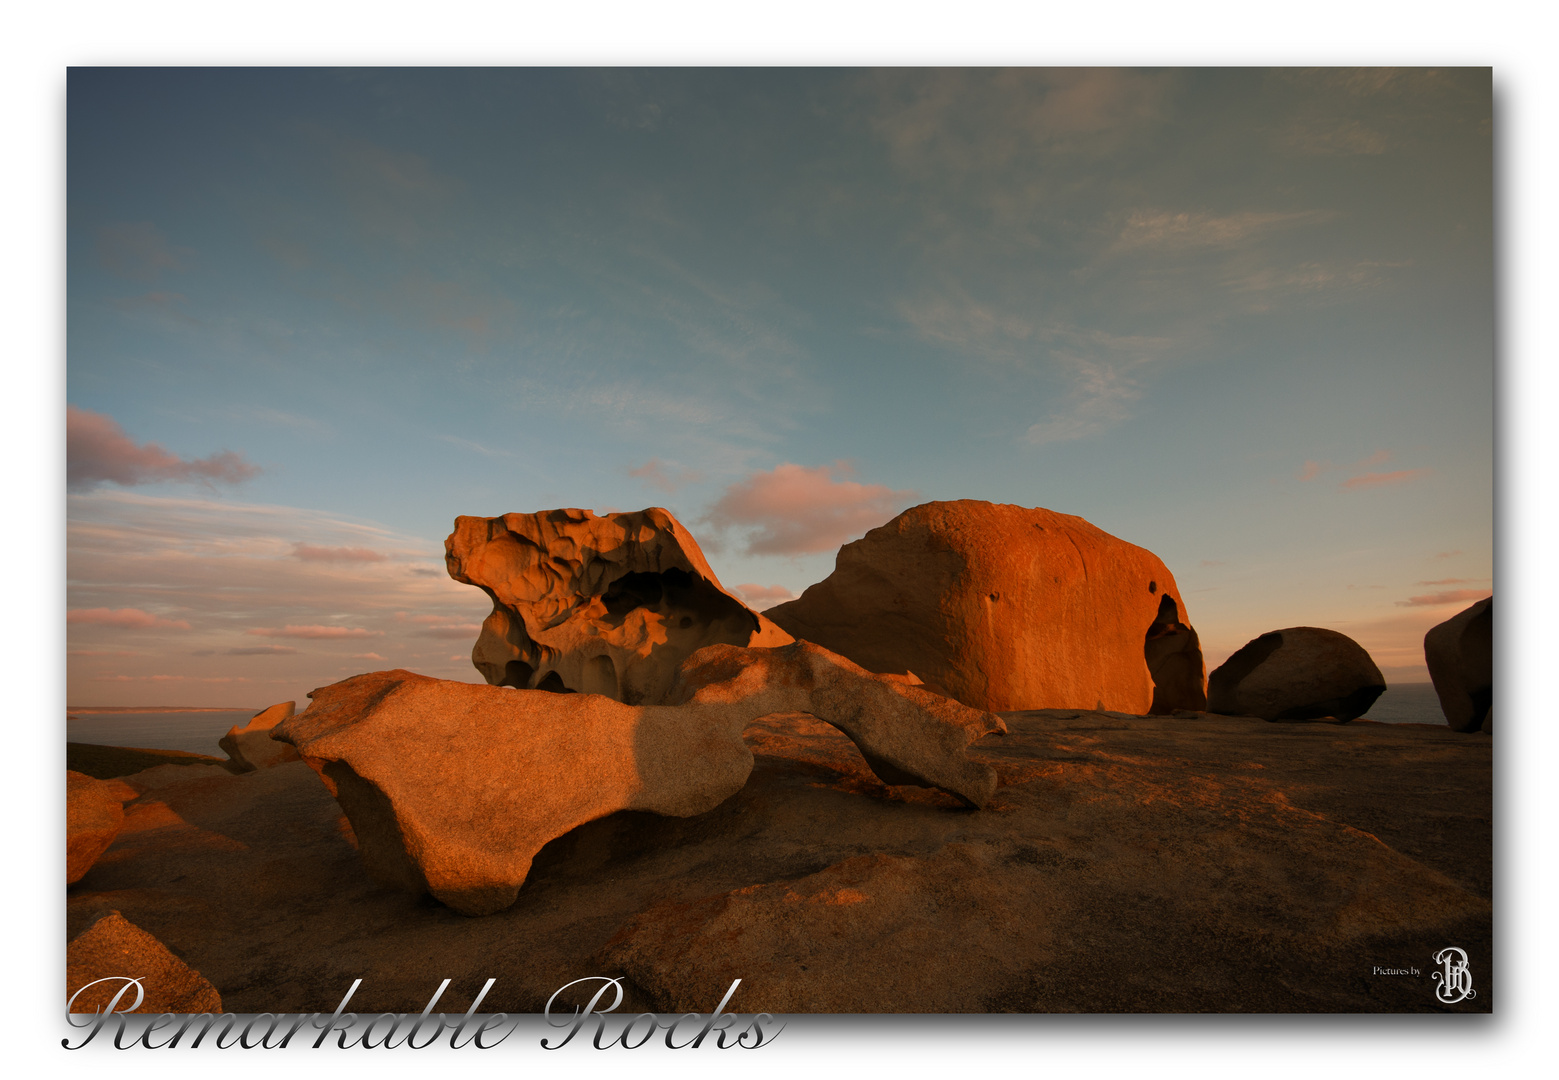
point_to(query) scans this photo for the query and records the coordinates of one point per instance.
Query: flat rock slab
(1124, 864)
(101, 960)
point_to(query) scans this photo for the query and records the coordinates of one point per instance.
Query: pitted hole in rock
(517, 673)
(1153, 588)
(552, 683)
(600, 677)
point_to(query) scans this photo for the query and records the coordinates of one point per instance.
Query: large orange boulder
(1005, 607)
(1460, 656)
(601, 605)
(1301, 673)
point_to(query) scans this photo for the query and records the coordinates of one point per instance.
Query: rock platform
(1146, 864)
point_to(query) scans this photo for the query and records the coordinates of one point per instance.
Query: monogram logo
(1456, 980)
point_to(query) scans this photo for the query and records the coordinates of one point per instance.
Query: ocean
(193, 732)
(1407, 703)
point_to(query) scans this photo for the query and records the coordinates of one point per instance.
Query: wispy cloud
(1441, 599)
(317, 553)
(1183, 230)
(1099, 398)
(123, 619)
(792, 510)
(664, 476)
(475, 447)
(314, 632)
(763, 597)
(138, 251)
(1387, 479)
(98, 451)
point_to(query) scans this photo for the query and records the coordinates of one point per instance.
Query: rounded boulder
(1299, 673)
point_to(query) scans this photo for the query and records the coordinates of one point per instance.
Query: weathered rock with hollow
(94, 814)
(251, 747)
(1005, 607)
(601, 605)
(1300, 673)
(113, 949)
(1460, 656)
(906, 734)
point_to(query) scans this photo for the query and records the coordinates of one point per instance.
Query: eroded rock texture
(452, 788)
(601, 605)
(1460, 655)
(94, 814)
(1301, 673)
(251, 747)
(1004, 607)
(907, 735)
(113, 949)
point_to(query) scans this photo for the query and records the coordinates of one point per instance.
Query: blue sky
(1243, 318)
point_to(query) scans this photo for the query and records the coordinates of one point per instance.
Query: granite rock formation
(906, 734)
(251, 747)
(1300, 673)
(1460, 655)
(601, 605)
(113, 949)
(1125, 864)
(1004, 607)
(452, 788)
(94, 814)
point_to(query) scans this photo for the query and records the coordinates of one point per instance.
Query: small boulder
(598, 605)
(94, 814)
(1007, 608)
(113, 949)
(251, 747)
(1460, 655)
(1301, 673)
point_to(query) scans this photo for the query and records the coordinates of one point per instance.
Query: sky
(1243, 318)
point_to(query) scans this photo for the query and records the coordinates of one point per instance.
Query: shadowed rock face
(452, 789)
(1301, 673)
(1460, 655)
(600, 605)
(1004, 607)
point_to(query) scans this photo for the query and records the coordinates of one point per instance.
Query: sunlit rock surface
(1005, 607)
(1460, 656)
(251, 747)
(1162, 864)
(113, 949)
(94, 815)
(1300, 673)
(601, 605)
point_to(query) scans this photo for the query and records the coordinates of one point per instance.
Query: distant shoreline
(155, 708)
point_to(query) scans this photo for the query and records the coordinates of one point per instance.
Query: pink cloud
(762, 597)
(1439, 599)
(124, 619)
(1374, 480)
(138, 250)
(1311, 470)
(798, 511)
(446, 626)
(98, 450)
(315, 553)
(663, 477)
(315, 632)
(1452, 581)
(368, 656)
